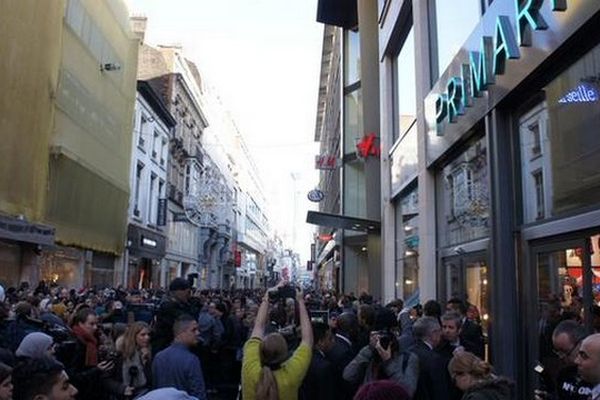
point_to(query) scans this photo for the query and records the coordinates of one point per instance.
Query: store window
(455, 20)
(560, 145)
(405, 89)
(353, 121)
(404, 166)
(351, 57)
(407, 246)
(463, 204)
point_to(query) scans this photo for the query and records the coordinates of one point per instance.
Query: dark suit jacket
(445, 350)
(319, 383)
(340, 355)
(471, 333)
(433, 383)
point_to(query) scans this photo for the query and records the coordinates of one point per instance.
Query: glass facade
(351, 57)
(353, 121)
(560, 146)
(464, 205)
(405, 166)
(405, 93)
(455, 20)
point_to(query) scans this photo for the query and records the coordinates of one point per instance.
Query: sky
(263, 58)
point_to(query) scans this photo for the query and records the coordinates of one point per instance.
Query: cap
(179, 284)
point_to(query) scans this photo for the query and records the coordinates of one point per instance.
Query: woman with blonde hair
(134, 366)
(267, 373)
(476, 379)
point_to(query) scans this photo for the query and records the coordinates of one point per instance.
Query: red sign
(324, 237)
(367, 146)
(237, 260)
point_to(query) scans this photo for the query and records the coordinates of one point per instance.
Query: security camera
(110, 67)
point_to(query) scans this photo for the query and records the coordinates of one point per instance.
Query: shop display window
(407, 246)
(463, 203)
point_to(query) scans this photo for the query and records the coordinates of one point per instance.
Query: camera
(545, 384)
(319, 316)
(385, 339)
(283, 292)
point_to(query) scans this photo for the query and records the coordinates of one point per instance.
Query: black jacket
(570, 387)
(167, 313)
(433, 382)
(340, 355)
(446, 351)
(472, 333)
(319, 383)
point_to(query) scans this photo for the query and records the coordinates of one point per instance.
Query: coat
(494, 389)
(402, 368)
(340, 355)
(433, 384)
(319, 383)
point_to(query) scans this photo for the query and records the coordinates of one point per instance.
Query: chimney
(138, 26)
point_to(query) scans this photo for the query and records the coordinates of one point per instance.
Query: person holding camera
(382, 359)
(267, 373)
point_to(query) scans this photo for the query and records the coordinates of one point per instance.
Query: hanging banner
(327, 162)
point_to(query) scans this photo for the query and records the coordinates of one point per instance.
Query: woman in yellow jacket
(267, 374)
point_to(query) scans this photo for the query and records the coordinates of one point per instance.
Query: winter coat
(402, 368)
(493, 389)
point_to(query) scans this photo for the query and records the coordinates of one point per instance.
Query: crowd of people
(282, 343)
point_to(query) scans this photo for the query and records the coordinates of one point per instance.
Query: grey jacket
(406, 373)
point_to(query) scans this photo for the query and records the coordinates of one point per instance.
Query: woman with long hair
(6, 385)
(267, 373)
(476, 379)
(134, 367)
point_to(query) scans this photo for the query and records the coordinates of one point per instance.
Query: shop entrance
(567, 276)
(466, 277)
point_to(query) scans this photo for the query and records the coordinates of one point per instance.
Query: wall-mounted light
(109, 67)
(364, 249)
(408, 228)
(409, 282)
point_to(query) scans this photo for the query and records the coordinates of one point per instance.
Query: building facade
(67, 117)
(488, 158)
(146, 234)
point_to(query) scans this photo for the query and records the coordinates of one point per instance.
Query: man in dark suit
(343, 351)
(470, 331)
(319, 382)
(432, 383)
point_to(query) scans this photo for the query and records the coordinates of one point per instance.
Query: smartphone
(545, 385)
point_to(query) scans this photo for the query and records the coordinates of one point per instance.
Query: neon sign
(367, 147)
(482, 67)
(581, 94)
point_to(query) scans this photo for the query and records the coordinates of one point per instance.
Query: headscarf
(34, 346)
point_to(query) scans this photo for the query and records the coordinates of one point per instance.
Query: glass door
(466, 278)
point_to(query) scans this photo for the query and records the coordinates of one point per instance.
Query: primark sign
(513, 38)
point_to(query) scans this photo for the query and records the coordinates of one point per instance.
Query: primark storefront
(507, 126)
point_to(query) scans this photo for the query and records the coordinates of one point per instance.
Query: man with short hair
(470, 330)
(451, 342)
(588, 363)
(176, 366)
(566, 341)
(42, 379)
(432, 383)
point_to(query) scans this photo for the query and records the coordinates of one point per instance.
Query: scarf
(91, 346)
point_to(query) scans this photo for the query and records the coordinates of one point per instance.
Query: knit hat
(382, 390)
(35, 345)
(179, 284)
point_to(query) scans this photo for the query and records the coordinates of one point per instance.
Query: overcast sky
(263, 58)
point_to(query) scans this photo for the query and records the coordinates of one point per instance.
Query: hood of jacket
(497, 388)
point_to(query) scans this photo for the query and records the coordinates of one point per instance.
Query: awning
(343, 222)
(20, 230)
(342, 13)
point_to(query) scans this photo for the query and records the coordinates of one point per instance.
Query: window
(454, 22)
(351, 57)
(353, 120)
(538, 179)
(152, 199)
(138, 178)
(160, 195)
(155, 141)
(464, 196)
(163, 152)
(405, 95)
(536, 148)
(143, 125)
